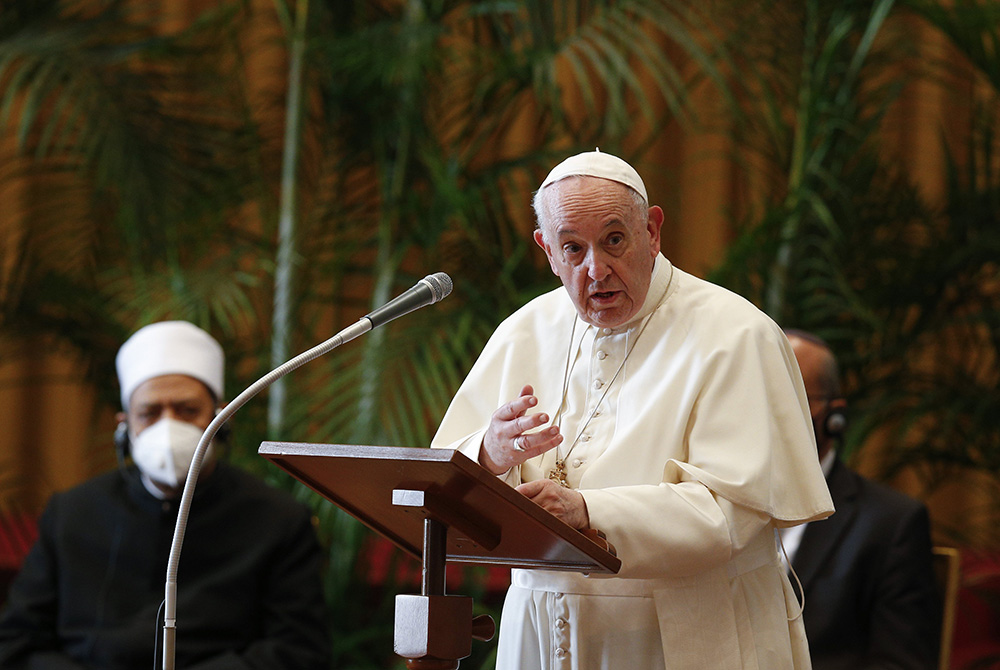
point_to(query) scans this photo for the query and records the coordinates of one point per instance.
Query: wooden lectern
(438, 506)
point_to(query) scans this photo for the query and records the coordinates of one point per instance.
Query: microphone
(427, 291)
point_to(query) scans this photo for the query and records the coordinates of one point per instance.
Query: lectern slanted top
(392, 490)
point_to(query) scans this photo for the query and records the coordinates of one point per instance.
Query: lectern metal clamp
(434, 631)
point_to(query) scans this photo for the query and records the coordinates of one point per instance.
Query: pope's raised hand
(508, 441)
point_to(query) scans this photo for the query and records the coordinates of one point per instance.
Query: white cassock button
(560, 653)
(606, 331)
(585, 437)
(598, 383)
(577, 462)
(601, 355)
(560, 623)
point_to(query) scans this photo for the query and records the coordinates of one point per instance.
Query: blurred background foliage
(845, 244)
(274, 170)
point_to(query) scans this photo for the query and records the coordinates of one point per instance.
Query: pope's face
(602, 246)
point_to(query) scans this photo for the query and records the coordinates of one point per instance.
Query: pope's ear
(654, 225)
(540, 241)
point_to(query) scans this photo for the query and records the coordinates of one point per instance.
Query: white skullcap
(169, 348)
(597, 164)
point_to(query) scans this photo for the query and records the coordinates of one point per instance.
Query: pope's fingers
(513, 435)
(515, 408)
(534, 444)
(564, 503)
(532, 488)
(529, 421)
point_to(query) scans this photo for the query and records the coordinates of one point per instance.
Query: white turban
(597, 164)
(169, 348)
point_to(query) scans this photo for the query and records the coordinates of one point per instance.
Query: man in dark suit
(871, 599)
(249, 592)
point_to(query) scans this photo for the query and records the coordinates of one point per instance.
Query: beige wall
(51, 438)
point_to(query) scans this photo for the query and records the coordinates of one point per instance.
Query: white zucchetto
(597, 164)
(168, 348)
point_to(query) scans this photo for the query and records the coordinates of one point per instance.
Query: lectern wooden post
(438, 505)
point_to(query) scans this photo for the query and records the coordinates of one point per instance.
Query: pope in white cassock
(661, 409)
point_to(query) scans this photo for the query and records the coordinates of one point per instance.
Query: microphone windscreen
(440, 284)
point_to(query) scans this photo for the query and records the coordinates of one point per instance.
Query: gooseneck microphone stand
(427, 291)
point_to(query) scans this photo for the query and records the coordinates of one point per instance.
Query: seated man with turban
(248, 587)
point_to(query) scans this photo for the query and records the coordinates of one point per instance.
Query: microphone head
(440, 285)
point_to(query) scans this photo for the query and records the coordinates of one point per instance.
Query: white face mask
(163, 451)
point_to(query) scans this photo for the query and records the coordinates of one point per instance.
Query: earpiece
(121, 442)
(222, 435)
(835, 423)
